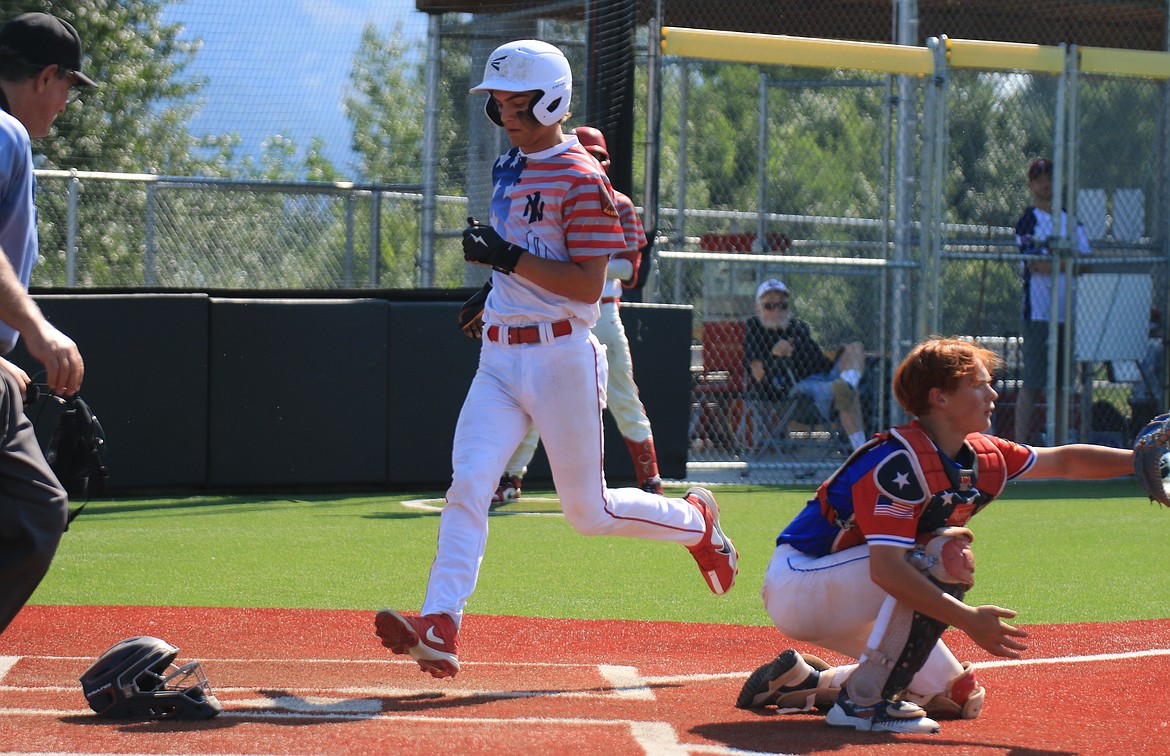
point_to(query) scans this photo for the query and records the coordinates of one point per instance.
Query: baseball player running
(621, 391)
(877, 565)
(552, 229)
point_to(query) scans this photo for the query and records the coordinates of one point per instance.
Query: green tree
(386, 103)
(136, 121)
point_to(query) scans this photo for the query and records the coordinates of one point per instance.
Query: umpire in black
(40, 68)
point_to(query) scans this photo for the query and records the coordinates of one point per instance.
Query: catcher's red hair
(938, 363)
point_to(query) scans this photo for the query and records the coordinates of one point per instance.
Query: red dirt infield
(298, 681)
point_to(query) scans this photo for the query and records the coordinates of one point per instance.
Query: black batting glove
(481, 244)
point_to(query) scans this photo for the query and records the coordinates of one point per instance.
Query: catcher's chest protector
(990, 470)
(934, 483)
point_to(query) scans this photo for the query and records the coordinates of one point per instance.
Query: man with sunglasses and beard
(783, 359)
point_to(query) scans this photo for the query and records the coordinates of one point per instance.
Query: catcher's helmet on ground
(138, 679)
(529, 65)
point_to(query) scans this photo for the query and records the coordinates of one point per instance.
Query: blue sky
(282, 66)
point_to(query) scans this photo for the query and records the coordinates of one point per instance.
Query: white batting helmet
(526, 65)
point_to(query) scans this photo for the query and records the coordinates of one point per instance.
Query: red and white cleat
(429, 640)
(715, 553)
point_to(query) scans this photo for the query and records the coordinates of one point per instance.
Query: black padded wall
(298, 392)
(145, 378)
(431, 366)
(217, 393)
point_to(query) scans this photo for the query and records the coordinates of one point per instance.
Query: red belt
(529, 334)
(608, 300)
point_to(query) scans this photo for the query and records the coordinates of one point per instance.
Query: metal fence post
(762, 167)
(347, 268)
(375, 238)
(430, 182)
(681, 193)
(148, 274)
(1053, 430)
(71, 232)
(653, 147)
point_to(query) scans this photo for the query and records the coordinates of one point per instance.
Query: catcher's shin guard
(901, 640)
(645, 459)
(963, 698)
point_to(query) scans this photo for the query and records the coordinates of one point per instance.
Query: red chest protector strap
(990, 466)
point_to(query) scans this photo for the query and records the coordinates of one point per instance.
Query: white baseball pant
(558, 386)
(621, 391)
(831, 601)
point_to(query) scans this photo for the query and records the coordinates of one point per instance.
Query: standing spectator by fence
(1035, 232)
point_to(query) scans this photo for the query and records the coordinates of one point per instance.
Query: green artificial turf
(1055, 552)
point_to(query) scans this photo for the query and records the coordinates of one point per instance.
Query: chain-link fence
(839, 157)
(126, 230)
(1112, 178)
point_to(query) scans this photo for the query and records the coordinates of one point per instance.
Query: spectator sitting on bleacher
(783, 360)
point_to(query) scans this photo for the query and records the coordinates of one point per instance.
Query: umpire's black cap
(45, 40)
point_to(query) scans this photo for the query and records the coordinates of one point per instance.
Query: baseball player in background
(40, 65)
(552, 230)
(876, 566)
(621, 391)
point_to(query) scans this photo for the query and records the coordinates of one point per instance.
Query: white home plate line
(385, 691)
(436, 505)
(626, 682)
(6, 663)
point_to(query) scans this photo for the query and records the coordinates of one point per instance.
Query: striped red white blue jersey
(860, 493)
(557, 204)
(635, 239)
(631, 223)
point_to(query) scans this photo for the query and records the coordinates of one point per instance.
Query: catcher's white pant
(832, 601)
(558, 386)
(621, 391)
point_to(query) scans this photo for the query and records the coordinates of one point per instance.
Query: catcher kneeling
(877, 565)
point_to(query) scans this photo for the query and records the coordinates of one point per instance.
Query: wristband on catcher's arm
(481, 244)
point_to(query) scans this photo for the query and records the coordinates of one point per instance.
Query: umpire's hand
(64, 367)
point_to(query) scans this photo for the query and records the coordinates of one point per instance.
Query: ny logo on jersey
(534, 210)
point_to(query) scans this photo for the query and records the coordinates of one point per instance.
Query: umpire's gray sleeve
(33, 505)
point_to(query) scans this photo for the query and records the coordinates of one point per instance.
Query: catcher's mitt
(1151, 459)
(471, 313)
